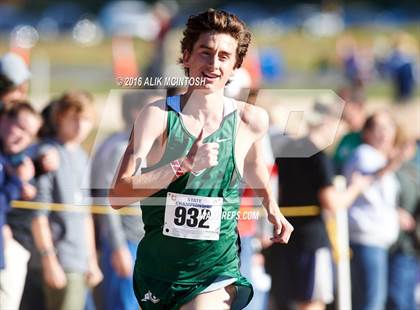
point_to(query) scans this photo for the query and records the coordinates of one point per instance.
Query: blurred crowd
(390, 59)
(62, 259)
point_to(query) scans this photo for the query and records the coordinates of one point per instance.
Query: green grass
(65, 51)
(305, 52)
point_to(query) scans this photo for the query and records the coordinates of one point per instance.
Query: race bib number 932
(192, 217)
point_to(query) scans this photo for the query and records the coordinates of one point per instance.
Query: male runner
(198, 146)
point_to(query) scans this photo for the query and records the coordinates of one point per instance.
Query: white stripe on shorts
(323, 283)
(219, 283)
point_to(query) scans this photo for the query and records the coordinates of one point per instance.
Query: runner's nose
(213, 62)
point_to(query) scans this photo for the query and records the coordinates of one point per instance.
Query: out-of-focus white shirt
(373, 218)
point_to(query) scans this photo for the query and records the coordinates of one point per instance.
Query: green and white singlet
(189, 243)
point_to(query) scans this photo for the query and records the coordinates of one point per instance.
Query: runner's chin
(212, 85)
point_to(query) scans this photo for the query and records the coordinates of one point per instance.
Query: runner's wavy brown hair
(220, 22)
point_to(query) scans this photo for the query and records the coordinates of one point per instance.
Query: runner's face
(213, 58)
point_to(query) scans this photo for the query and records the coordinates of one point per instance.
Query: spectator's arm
(113, 225)
(392, 165)
(352, 165)
(10, 190)
(94, 274)
(40, 224)
(90, 231)
(43, 238)
(112, 220)
(53, 273)
(329, 197)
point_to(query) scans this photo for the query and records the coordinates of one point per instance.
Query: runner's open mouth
(211, 76)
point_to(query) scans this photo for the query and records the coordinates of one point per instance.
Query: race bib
(192, 217)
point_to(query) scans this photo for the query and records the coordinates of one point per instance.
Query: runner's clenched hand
(282, 228)
(202, 155)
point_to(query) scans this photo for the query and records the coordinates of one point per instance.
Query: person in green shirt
(197, 146)
(354, 116)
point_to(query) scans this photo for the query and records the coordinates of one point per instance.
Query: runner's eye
(224, 57)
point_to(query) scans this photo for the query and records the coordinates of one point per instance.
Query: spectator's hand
(26, 170)
(94, 275)
(54, 274)
(28, 191)
(361, 181)
(122, 262)
(50, 160)
(407, 221)
(396, 158)
(282, 228)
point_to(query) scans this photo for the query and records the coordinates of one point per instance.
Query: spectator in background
(356, 60)
(119, 234)
(404, 253)
(48, 130)
(373, 220)
(65, 240)
(14, 85)
(354, 116)
(14, 79)
(18, 127)
(164, 12)
(20, 221)
(401, 65)
(301, 272)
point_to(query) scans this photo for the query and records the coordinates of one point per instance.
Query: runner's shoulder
(156, 108)
(151, 120)
(256, 118)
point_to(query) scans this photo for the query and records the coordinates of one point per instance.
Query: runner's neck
(202, 105)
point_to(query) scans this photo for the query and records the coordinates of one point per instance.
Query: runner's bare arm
(255, 172)
(128, 185)
(256, 175)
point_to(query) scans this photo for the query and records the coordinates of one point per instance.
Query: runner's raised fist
(202, 155)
